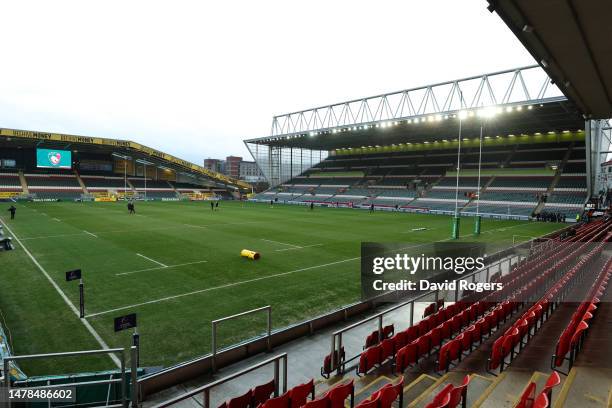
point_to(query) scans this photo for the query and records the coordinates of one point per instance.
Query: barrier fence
(206, 389)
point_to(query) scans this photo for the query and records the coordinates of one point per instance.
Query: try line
(88, 326)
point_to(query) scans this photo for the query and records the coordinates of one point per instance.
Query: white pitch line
(293, 249)
(195, 292)
(195, 226)
(52, 236)
(56, 219)
(89, 233)
(153, 260)
(282, 243)
(228, 285)
(159, 267)
(88, 326)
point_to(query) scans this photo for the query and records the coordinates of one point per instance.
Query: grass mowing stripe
(89, 328)
(228, 285)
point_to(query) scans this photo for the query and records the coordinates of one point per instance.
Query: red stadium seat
(372, 339)
(406, 356)
(369, 358)
(497, 353)
(552, 381)
(327, 363)
(528, 396)
(339, 393)
(323, 402)
(370, 402)
(388, 331)
(279, 402)
(442, 399)
(423, 345)
(299, 394)
(242, 401)
(387, 349)
(389, 393)
(459, 394)
(262, 393)
(541, 401)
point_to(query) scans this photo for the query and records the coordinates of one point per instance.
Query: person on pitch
(12, 210)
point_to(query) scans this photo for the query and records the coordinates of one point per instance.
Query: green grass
(174, 233)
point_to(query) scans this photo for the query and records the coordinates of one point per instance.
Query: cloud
(196, 78)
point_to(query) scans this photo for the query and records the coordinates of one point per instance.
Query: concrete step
(586, 387)
(507, 390)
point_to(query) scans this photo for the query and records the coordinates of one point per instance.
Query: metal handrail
(214, 324)
(380, 315)
(121, 351)
(206, 388)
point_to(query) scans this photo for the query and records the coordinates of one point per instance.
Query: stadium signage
(73, 275)
(125, 322)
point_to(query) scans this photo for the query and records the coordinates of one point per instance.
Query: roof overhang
(135, 151)
(552, 115)
(572, 42)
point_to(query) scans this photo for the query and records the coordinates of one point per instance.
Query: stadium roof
(515, 101)
(136, 151)
(559, 115)
(572, 42)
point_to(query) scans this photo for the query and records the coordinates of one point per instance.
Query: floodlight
(463, 115)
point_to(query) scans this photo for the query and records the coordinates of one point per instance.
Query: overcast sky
(195, 78)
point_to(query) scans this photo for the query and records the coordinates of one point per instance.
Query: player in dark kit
(12, 209)
(212, 206)
(311, 206)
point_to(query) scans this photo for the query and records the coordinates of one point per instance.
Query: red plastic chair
(541, 401)
(389, 393)
(369, 358)
(459, 394)
(423, 345)
(406, 356)
(323, 402)
(279, 402)
(262, 393)
(497, 353)
(388, 331)
(553, 380)
(528, 396)
(299, 394)
(442, 399)
(387, 349)
(242, 401)
(411, 334)
(372, 339)
(338, 394)
(372, 402)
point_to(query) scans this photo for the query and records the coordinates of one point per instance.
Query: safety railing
(215, 323)
(205, 390)
(122, 381)
(498, 267)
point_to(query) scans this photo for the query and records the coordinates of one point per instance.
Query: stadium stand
(517, 180)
